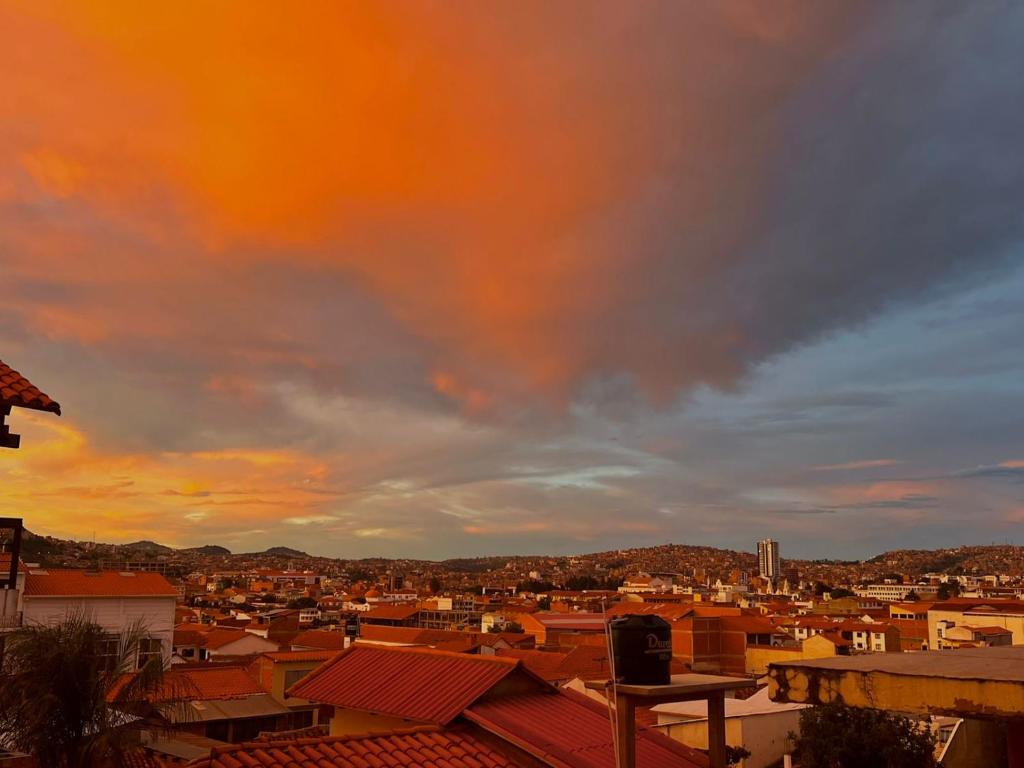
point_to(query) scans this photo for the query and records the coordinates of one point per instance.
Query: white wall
(112, 613)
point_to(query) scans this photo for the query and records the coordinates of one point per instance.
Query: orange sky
(241, 237)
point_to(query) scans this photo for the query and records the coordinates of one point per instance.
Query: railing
(10, 621)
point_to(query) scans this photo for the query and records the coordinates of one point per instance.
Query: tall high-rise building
(768, 558)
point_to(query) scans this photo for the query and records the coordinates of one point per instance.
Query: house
(277, 671)
(198, 642)
(554, 628)
(385, 690)
(217, 704)
(115, 600)
(965, 636)
(1008, 614)
(757, 724)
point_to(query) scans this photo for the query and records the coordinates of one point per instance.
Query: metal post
(716, 729)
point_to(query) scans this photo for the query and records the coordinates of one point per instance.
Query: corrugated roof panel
(575, 730)
(417, 684)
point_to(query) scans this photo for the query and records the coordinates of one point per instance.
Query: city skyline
(435, 283)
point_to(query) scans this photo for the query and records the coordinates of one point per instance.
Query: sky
(438, 279)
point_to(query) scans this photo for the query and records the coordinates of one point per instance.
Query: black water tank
(642, 646)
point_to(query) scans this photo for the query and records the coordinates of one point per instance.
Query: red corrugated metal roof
(408, 748)
(72, 583)
(284, 656)
(414, 683)
(15, 389)
(320, 638)
(391, 612)
(565, 728)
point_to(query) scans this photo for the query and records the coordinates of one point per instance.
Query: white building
(768, 559)
(114, 600)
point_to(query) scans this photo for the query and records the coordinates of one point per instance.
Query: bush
(837, 736)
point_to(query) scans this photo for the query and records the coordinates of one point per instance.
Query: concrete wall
(765, 736)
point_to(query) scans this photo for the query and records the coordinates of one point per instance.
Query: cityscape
(492, 384)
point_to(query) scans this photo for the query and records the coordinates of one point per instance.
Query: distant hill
(208, 549)
(148, 546)
(285, 552)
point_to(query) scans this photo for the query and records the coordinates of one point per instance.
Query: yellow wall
(1014, 623)
(766, 736)
(346, 722)
(759, 657)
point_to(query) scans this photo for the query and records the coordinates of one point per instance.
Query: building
(114, 600)
(1006, 614)
(757, 724)
(372, 689)
(768, 563)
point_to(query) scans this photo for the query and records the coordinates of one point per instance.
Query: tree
(840, 592)
(71, 691)
(510, 626)
(544, 603)
(302, 602)
(837, 736)
(912, 597)
(948, 589)
(435, 585)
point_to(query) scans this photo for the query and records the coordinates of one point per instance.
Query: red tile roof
(214, 682)
(15, 389)
(73, 583)
(409, 748)
(413, 683)
(566, 728)
(199, 683)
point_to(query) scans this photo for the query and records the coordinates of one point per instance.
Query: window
(149, 648)
(292, 676)
(109, 652)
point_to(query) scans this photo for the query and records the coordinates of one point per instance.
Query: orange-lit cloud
(391, 272)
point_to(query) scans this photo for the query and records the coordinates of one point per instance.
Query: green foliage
(912, 597)
(302, 602)
(734, 755)
(836, 736)
(435, 585)
(840, 592)
(949, 589)
(544, 604)
(71, 691)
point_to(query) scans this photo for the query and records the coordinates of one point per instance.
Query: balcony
(9, 621)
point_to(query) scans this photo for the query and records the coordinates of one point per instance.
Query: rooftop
(573, 730)
(15, 389)
(414, 683)
(429, 747)
(78, 583)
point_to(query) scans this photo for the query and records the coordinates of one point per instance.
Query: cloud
(863, 464)
(1007, 470)
(441, 268)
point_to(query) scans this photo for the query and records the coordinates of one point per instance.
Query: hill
(208, 549)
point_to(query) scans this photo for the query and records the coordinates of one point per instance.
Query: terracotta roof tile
(414, 683)
(76, 583)
(15, 389)
(410, 748)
